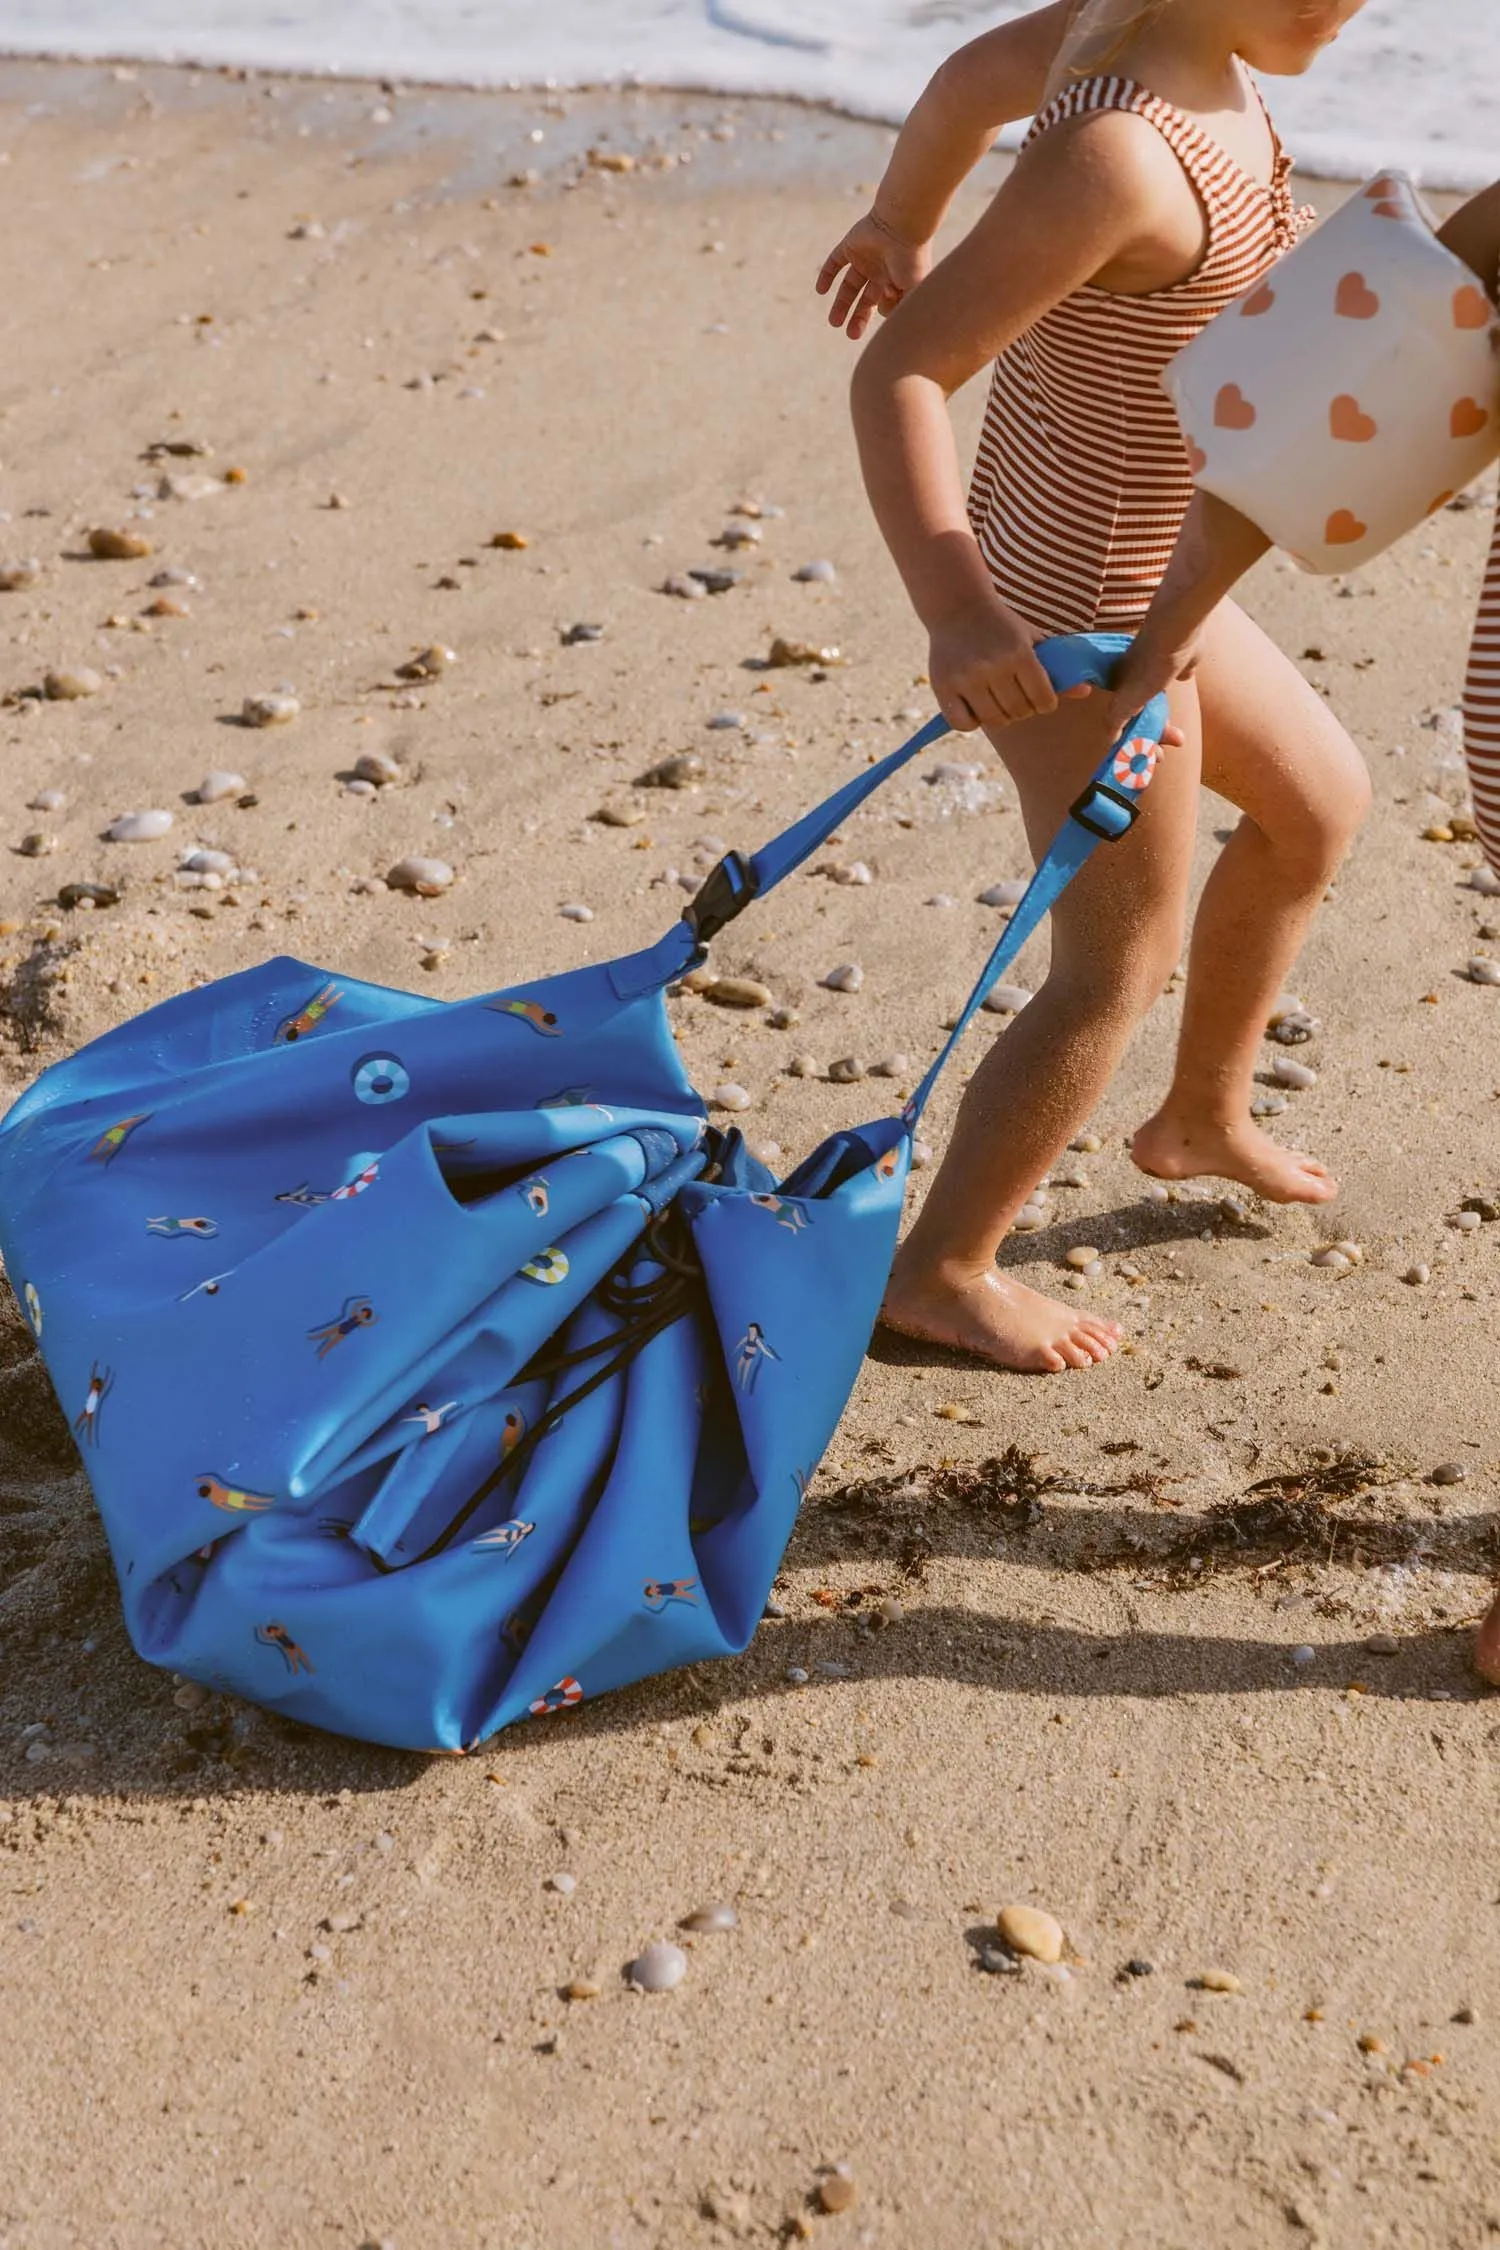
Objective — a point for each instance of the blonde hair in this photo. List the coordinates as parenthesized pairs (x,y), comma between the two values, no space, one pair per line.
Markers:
(1102,30)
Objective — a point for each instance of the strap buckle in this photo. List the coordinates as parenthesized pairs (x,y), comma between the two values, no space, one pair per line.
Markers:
(1106,813)
(725,892)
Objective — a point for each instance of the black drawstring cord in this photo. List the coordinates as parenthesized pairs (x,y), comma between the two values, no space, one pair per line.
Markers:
(644,1309)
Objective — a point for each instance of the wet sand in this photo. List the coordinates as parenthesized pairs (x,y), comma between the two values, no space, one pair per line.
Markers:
(260,1982)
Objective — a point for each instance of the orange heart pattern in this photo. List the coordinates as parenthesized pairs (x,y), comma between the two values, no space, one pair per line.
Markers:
(1355,299)
(1379,189)
(1389,211)
(1349,422)
(1197,458)
(1344,528)
(1468,418)
(1232,410)
(1471,307)
(1440,503)
(1261,302)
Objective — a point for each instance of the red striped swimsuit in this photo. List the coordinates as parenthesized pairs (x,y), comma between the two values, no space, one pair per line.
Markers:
(1482,709)
(1083,477)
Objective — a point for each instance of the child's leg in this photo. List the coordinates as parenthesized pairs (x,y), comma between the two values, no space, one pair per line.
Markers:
(1272,747)
(1116,935)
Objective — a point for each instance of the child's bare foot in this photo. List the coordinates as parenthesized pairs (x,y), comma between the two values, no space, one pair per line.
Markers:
(1172,1148)
(999,1319)
(1487,1646)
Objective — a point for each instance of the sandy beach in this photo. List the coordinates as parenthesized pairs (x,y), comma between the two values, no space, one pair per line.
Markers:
(1177,1651)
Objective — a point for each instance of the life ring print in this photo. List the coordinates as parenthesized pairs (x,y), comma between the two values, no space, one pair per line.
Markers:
(1135,763)
(33,1305)
(381,1078)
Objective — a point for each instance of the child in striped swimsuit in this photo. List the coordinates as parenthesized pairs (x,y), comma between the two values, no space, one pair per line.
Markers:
(1150,193)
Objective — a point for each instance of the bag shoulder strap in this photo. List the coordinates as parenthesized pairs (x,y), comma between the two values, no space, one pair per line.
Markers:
(1104,812)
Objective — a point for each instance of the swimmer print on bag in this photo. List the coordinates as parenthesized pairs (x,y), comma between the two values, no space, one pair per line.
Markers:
(354,1313)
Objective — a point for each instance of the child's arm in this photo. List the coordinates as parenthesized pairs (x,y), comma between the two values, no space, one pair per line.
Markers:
(1215,548)
(1473,234)
(990,83)
(1095,197)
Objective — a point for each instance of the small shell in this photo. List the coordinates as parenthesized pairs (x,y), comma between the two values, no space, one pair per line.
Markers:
(118,546)
(269,710)
(1286,1072)
(1026,1929)
(723,722)
(73,686)
(576,913)
(815,574)
(707,1921)
(619,816)
(1332,1260)
(1482,970)
(427,877)
(804,1066)
(1004,894)
(1417,1277)
(849,978)
(855,875)
(47,800)
(1218,1980)
(208,863)
(378,766)
(659,1968)
(1007,999)
(847,1071)
(730,1096)
(138,827)
(37,844)
(921,1155)
(685,587)
(1486,881)
(890,1066)
(214,787)
(510,542)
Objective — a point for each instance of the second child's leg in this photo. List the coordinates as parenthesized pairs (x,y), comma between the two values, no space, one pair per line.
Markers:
(1116,935)
(1274,749)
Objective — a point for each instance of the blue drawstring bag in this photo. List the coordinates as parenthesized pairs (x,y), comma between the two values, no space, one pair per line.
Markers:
(436,1363)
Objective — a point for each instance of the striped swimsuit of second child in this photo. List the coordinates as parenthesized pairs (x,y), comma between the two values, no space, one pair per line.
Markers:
(1482,705)
(1083,476)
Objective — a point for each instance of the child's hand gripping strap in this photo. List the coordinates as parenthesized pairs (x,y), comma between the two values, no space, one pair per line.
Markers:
(1102,813)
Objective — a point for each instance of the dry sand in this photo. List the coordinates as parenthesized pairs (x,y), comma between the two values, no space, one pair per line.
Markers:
(261,1985)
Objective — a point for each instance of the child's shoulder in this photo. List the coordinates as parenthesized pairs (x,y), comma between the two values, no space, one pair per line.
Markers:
(1108,131)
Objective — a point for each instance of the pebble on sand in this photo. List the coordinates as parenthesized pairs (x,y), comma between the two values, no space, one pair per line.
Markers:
(1029,1219)
(378,766)
(736,992)
(848,978)
(426,877)
(46,800)
(581,1988)
(576,912)
(804,1066)
(730,1096)
(1003,894)
(214,787)
(705,1921)
(1485,881)
(36,844)
(72,686)
(1216,1980)
(1449,1472)
(110,545)
(685,587)
(619,816)
(1482,970)
(679,772)
(1007,999)
(837,2192)
(208,862)
(847,1071)
(15,577)
(1332,1260)
(269,710)
(138,827)
(659,1968)
(1417,1277)
(510,542)
(855,876)
(890,1066)
(1083,1259)
(1026,1929)
(428,663)
(815,574)
(1298,1075)
(785,653)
